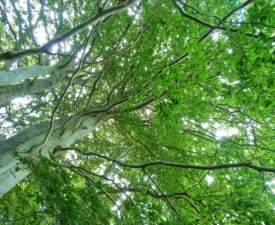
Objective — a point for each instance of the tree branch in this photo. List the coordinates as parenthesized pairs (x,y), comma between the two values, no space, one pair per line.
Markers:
(45,48)
(175,165)
(183,57)
(22,73)
(214,27)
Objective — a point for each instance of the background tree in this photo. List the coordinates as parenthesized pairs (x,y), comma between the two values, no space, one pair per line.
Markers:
(137,112)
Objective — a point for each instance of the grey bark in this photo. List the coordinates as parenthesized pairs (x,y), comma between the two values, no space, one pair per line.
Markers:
(22,73)
(31,87)
(65,132)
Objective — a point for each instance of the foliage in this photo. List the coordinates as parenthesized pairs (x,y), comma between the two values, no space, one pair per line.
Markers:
(182,95)
(51,194)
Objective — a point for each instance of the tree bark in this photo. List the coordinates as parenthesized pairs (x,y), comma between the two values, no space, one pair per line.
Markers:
(31,87)
(28,144)
(22,73)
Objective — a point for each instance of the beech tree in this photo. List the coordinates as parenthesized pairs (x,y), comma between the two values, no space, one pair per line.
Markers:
(137,112)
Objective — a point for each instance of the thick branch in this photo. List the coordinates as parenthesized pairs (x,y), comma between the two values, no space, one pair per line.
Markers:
(45,48)
(30,87)
(22,73)
(175,165)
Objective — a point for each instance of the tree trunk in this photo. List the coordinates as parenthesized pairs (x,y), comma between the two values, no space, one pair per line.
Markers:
(28,144)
